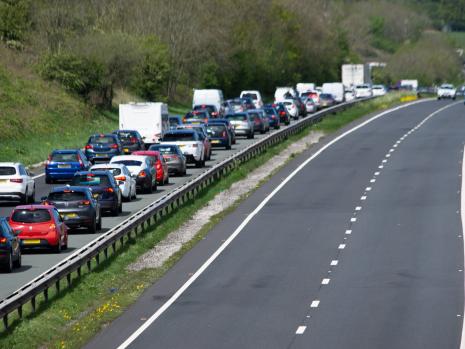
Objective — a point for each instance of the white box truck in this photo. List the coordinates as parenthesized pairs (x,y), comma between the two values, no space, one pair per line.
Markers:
(302,87)
(150,119)
(336,89)
(355,74)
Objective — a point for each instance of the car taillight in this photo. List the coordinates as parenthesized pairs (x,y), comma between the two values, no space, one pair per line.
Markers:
(121,178)
(16,180)
(223,134)
(49,159)
(273,116)
(114,146)
(87,202)
(142,174)
(133,140)
(282,113)
(109,190)
(89,146)
(3,240)
(52,227)
(214,113)
(205,120)
(80,161)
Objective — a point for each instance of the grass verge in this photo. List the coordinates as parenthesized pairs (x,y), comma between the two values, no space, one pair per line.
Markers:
(78,313)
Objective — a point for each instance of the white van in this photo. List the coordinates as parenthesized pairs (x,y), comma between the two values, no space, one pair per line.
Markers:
(302,87)
(150,119)
(336,89)
(256,97)
(209,97)
(283,93)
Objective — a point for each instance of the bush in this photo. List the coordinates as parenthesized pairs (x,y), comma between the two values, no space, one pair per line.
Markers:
(14,21)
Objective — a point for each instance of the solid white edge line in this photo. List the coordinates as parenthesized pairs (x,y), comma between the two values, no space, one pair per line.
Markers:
(215,255)
(462,216)
(39,175)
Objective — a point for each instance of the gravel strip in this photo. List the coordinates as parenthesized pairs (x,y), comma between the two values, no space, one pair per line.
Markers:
(176,239)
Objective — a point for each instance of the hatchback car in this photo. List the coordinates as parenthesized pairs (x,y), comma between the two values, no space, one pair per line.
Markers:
(259,120)
(173,156)
(10,247)
(284,115)
(16,182)
(219,135)
(102,147)
(78,206)
(104,188)
(292,108)
(122,175)
(142,170)
(213,112)
(131,140)
(175,121)
(229,127)
(63,164)
(191,144)
(202,131)
(243,126)
(41,226)
(273,117)
(327,100)
(161,167)
(196,116)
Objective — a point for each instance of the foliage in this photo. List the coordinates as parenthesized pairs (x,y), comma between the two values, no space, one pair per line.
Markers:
(14,20)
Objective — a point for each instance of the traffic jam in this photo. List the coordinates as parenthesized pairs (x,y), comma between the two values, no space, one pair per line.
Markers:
(150,147)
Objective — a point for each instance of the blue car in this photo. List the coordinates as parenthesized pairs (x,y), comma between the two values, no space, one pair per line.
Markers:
(273,117)
(175,121)
(10,247)
(63,164)
(102,147)
(219,135)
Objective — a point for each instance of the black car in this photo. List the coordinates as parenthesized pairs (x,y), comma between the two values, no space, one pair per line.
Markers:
(229,126)
(219,135)
(130,140)
(77,205)
(102,147)
(104,188)
(10,247)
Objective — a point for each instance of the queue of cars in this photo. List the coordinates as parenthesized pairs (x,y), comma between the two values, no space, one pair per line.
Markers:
(113,168)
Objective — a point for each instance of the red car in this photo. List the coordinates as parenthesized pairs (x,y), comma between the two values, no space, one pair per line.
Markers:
(159,163)
(41,226)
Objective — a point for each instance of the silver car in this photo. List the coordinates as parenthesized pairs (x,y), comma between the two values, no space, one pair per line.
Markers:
(174,158)
(122,175)
(243,126)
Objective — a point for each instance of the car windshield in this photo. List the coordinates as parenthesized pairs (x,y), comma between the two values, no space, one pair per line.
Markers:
(216,130)
(115,171)
(197,115)
(64,157)
(174,121)
(164,149)
(101,139)
(91,180)
(31,216)
(326,96)
(179,137)
(129,162)
(7,171)
(362,86)
(240,117)
(126,135)
(209,108)
(67,195)
(254,115)
(250,95)
(270,111)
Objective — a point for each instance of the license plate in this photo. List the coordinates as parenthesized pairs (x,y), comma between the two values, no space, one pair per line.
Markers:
(4,181)
(126,150)
(96,195)
(181,146)
(64,166)
(215,141)
(31,241)
(101,155)
(69,215)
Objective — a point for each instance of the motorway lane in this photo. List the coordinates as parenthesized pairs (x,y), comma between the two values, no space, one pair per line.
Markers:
(347,254)
(36,262)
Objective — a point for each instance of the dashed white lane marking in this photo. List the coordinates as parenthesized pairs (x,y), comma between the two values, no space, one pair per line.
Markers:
(315,304)
(388,155)
(348,232)
(241,227)
(384,161)
(358,208)
(363,198)
(368,188)
(380,166)
(301,330)
(342,246)
(377,173)
(353,219)
(372,180)
(39,175)
(334,263)
(391,150)
(325,281)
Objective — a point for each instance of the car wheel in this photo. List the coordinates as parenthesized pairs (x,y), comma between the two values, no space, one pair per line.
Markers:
(120,206)
(32,198)
(198,164)
(262,131)
(149,187)
(167,180)
(24,198)
(9,263)
(48,180)
(228,147)
(17,263)
(92,228)
(277,127)
(99,223)
(57,248)
(135,194)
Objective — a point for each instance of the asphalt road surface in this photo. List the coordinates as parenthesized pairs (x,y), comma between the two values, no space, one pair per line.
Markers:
(362,248)
(36,262)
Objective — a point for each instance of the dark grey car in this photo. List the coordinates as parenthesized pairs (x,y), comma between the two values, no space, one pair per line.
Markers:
(174,158)
(77,205)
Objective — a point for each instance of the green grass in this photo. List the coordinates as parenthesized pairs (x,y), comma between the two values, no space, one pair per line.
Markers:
(37,117)
(78,313)
(179,109)
(458,39)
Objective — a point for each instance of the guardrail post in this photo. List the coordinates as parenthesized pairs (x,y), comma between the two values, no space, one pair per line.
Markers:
(97,258)
(46,294)
(57,285)
(5,321)
(20,311)
(113,247)
(79,271)
(89,265)
(105,252)
(33,304)
(68,279)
